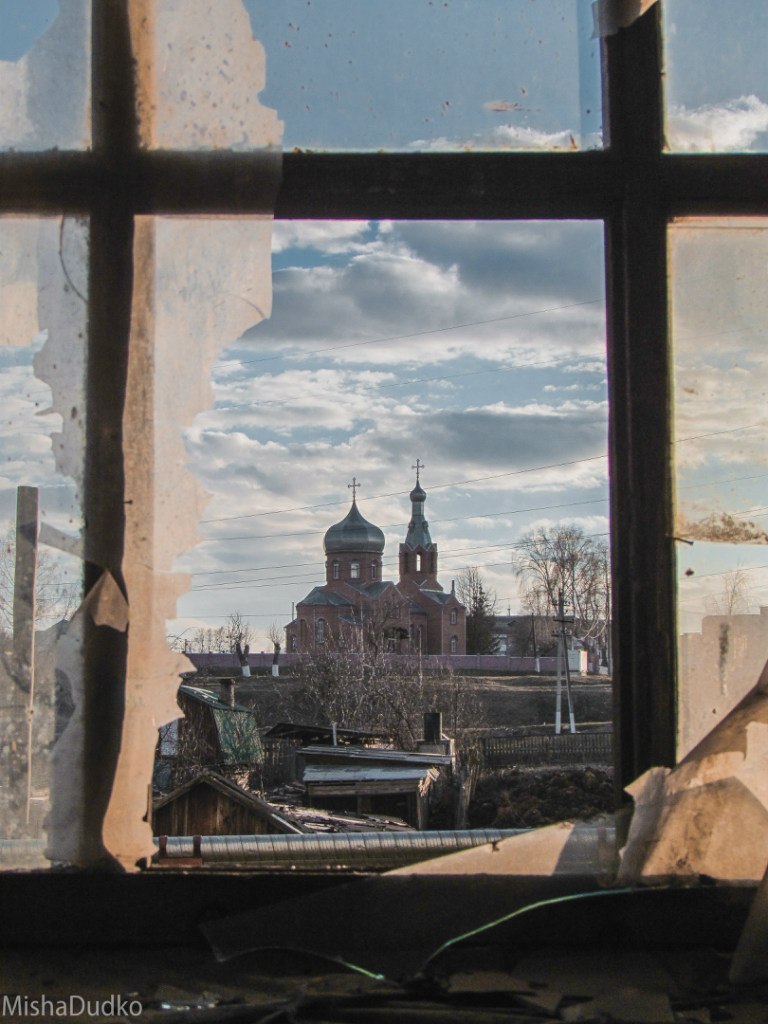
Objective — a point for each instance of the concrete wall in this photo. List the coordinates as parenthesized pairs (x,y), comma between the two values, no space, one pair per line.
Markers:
(718,666)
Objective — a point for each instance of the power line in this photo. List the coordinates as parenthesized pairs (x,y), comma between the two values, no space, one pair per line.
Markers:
(461,553)
(419,334)
(453,519)
(397,494)
(399,526)
(442,486)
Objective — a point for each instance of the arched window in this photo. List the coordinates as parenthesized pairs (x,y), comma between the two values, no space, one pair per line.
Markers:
(374,570)
(320,631)
(419,561)
(354,570)
(418,638)
(454,644)
(454,616)
(335,569)
(293,643)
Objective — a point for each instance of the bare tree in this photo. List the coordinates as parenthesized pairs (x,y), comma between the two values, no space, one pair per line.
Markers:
(566,559)
(238,632)
(221,640)
(480,603)
(733,598)
(276,634)
(55,596)
(361,685)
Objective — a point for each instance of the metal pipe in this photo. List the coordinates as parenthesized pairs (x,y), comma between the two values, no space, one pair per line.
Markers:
(348,849)
(374,849)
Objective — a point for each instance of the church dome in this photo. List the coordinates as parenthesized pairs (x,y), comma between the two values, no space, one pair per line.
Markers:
(354,534)
(418,493)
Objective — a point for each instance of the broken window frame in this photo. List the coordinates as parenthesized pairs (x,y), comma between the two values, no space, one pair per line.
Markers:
(632,185)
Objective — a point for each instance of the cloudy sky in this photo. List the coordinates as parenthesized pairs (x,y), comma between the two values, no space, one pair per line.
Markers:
(477,348)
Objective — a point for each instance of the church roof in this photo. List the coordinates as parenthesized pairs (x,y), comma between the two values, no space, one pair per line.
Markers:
(418,493)
(418,528)
(354,534)
(321,596)
(371,589)
(439,596)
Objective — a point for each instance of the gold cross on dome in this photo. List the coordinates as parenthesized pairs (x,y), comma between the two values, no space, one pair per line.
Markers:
(354,485)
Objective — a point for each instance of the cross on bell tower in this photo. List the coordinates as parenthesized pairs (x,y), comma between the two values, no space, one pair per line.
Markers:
(419,465)
(353,487)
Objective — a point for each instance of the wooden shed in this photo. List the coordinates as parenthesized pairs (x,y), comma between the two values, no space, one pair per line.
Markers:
(371,780)
(369,789)
(210,805)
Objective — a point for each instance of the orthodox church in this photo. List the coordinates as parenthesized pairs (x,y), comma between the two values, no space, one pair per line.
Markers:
(414,615)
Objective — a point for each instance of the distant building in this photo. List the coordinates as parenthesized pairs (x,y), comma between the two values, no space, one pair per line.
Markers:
(414,615)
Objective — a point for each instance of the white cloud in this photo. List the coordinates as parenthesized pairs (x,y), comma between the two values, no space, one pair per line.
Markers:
(326,236)
(511,137)
(732,127)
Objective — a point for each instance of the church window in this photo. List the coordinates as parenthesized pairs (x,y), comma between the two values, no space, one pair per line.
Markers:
(454,644)
(335,569)
(419,563)
(374,570)
(320,631)
(454,616)
(354,570)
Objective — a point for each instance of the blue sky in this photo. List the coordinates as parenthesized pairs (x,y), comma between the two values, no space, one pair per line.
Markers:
(477,348)
(431,74)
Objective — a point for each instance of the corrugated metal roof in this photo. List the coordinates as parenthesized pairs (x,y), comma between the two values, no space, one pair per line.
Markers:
(380,754)
(342,773)
(210,698)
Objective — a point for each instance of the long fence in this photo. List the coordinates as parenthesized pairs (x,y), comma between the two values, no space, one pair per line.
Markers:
(456,662)
(565,749)
(495,752)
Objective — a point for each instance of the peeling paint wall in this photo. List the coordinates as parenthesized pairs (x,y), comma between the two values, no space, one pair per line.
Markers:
(719,666)
(203,281)
(721,464)
(43,264)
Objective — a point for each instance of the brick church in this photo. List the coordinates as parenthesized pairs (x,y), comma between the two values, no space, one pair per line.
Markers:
(411,616)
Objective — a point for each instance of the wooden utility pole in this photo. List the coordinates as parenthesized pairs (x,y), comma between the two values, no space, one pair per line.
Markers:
(24,580)
(562,661)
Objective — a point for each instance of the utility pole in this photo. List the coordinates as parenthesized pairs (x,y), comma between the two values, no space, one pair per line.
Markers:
(25,576)
(562,661)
